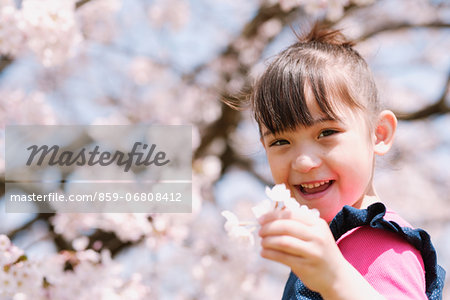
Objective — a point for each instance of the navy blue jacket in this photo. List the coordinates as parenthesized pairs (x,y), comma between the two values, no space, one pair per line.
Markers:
(349,218)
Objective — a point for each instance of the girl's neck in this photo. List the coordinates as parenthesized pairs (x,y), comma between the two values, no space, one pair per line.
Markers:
(370,197)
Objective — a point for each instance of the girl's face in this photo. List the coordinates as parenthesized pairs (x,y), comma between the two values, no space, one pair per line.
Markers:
(326,165)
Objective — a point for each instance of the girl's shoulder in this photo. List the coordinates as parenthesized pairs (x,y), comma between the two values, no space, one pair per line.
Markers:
(363,242)
(374,234)
(390,263)
(393,216)
(388,251)
(368,241)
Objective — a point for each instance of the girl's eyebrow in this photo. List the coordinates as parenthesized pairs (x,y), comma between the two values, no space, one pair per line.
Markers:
(324,119)
(267,133)
(314,122)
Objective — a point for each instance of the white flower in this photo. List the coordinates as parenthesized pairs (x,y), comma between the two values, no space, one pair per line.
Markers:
(10,255)
(281,194)
(4,242)
(291,204)
(20,296)
(237,230)
(281,199)
(278,193)
(263,208)
(232,220)
(11,36)
(242,234)
(315,212)
(80,243)
(88,255)
(51,29)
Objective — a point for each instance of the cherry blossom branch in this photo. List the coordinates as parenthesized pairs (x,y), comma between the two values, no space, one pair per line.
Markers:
(5,61)
(27,225)
(248,166)
(107,240)
(110,241)
(81,3)
(391,27)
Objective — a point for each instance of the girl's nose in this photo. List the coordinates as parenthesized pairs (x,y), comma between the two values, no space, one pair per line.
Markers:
(305,162)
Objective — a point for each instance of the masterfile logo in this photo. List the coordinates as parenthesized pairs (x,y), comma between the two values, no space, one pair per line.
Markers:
(98,168)
(94,157)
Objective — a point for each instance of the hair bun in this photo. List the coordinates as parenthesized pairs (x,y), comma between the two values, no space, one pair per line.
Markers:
(325,35)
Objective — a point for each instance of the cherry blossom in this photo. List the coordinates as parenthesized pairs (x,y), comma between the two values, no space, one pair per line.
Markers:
(237,229)
(280,198)
(4,242)
(11,25)
(21,278)
(52,32)
(279,193)
(97,20)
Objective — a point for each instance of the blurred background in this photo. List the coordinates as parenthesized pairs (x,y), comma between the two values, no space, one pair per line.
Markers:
(119,62)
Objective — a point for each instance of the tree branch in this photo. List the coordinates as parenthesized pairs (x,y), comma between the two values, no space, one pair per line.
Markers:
(248,166)
(81,3)
(12,234)
(5,61)
(440,107)
(390,27)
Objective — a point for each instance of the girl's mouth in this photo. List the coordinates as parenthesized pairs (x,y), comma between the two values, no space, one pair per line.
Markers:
(314,188)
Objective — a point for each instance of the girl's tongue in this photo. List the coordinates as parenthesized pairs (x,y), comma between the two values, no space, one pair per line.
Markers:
(313,190)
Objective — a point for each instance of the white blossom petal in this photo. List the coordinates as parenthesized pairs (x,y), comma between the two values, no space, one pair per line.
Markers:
(263,208)
(315,212)
(291,204)
(242,234)
(278,193)
(4,242)
(232,220)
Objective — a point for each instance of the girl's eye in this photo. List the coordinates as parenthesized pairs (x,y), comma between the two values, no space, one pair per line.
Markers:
(327,132)
(279,143)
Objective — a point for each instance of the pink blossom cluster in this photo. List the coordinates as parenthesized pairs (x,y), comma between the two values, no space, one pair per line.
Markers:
(53,30)
(17,274)
(84,274)
(46,27)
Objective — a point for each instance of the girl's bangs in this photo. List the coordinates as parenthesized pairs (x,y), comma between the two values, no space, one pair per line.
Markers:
(279,98)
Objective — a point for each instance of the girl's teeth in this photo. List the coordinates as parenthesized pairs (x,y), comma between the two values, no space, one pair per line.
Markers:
(313,185)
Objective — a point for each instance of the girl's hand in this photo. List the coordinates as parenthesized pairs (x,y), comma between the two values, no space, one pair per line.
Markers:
(305,243)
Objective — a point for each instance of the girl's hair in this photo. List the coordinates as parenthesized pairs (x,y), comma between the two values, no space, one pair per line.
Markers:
(322,64)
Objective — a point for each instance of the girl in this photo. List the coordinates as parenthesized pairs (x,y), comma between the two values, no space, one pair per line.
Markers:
(321,126)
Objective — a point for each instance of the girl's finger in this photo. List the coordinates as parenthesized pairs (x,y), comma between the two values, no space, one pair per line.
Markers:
(281,257)
(289,227)
(286,244)
(302,215)
(270,216)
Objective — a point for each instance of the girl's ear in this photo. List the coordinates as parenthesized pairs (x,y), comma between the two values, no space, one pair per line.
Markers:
(384,132)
